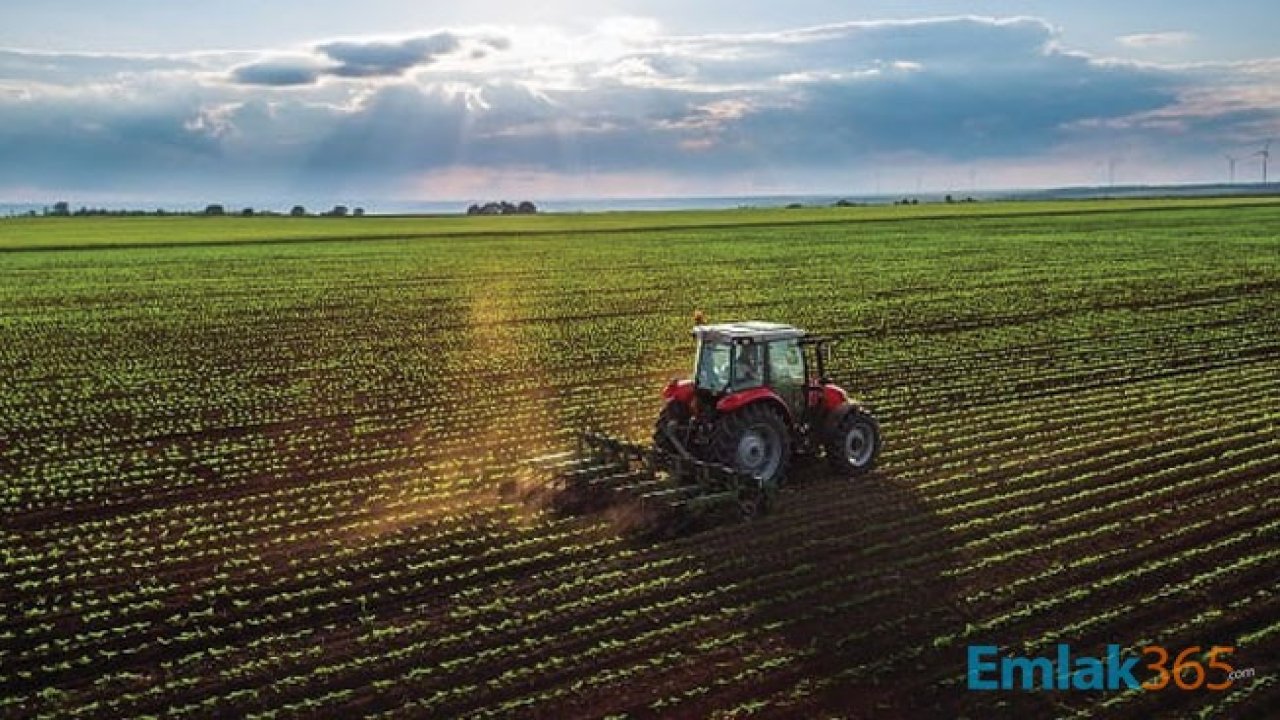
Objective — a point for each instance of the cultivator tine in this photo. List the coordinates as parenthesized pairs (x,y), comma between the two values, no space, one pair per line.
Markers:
(553,459)
(673,491)
(670,495)
(709,501)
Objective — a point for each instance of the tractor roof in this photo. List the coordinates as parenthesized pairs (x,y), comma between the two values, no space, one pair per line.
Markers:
(752,331)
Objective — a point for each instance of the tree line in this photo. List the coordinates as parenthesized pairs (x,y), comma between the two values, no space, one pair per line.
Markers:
(63,209)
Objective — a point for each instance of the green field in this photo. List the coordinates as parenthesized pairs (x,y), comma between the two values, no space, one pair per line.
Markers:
(251,466)
(38,233)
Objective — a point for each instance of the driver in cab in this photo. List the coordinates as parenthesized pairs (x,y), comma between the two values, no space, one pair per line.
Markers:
(747,366)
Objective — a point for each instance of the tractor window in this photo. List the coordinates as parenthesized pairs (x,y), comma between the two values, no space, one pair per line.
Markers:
(713,367)
(786,363)
(786,373)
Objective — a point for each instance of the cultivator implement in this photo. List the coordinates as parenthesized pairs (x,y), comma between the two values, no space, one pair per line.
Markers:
(670,491)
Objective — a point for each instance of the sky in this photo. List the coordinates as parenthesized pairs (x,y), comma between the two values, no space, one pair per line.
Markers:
(153,100)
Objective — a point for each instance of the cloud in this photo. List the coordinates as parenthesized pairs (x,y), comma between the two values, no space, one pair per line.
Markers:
(382,59)
(360,59)
(1156,40)
(277,73)
(93,141)
(622,101)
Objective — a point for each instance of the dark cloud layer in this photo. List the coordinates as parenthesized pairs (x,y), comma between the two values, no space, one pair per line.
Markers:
(955,90)
(354,59)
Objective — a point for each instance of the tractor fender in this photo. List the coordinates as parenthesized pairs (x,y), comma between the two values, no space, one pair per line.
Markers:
(836,415)
(833,396)
(679,391)
(738,400)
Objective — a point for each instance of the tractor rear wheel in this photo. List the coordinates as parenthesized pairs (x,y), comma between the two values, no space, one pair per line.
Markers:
(755,441)
(854,444)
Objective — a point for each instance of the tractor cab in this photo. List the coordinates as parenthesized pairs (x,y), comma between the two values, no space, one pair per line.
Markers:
(739,357)
(760,392)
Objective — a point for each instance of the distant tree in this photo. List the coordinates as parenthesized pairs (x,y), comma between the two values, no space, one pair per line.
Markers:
(338,211)
(950,199)
(359,212)
(794,206)
(61,209)
(298,211)
(247,212)
(215,210)
(503,207)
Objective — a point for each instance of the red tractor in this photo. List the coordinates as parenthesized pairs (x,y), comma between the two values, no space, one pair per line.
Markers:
(759,395)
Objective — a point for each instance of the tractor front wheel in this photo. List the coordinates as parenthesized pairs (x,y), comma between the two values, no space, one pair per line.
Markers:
(854,444)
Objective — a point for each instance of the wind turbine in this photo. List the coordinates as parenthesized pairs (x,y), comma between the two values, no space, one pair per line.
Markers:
(1265,154)
(1231,163)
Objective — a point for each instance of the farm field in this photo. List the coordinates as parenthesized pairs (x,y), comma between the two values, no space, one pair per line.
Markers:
(254,467)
